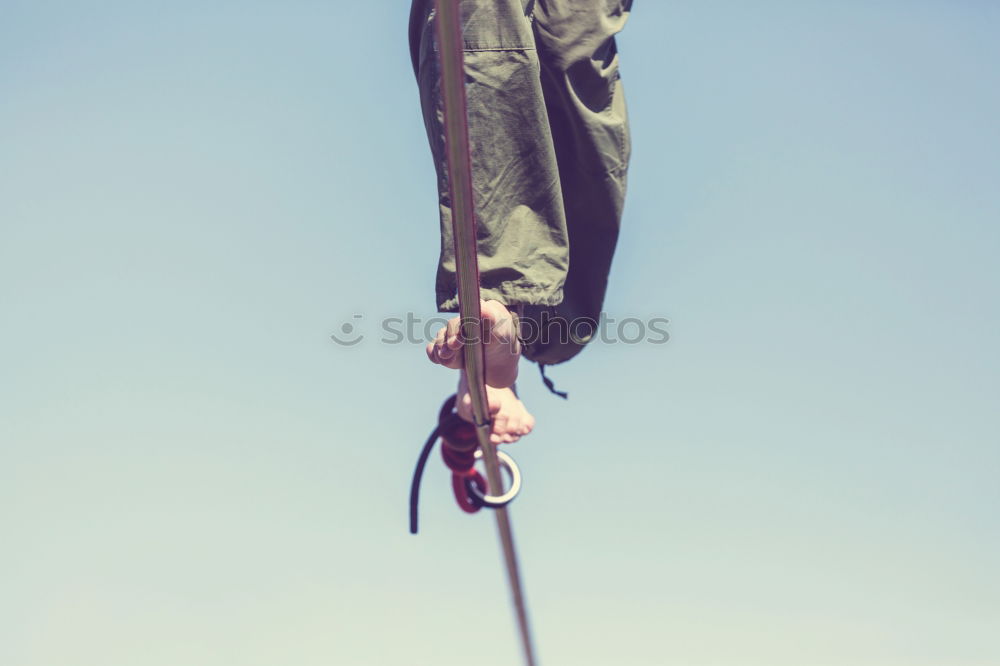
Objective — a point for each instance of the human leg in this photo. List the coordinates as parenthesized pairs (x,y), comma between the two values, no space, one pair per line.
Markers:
(585,107)
(521,228)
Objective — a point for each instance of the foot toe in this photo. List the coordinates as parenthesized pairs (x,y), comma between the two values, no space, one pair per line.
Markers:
(500,426)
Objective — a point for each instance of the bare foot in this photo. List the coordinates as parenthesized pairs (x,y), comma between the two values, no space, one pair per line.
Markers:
(511,419)
(502,350)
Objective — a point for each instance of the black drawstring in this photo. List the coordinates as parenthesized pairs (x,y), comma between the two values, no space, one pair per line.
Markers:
(550,385)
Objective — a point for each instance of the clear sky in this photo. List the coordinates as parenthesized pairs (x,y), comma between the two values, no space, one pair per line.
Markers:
(194,196)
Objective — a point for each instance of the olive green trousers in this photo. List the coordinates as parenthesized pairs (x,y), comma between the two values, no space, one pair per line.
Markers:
(550,149)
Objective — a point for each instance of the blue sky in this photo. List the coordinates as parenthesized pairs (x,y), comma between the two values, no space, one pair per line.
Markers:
(194,197)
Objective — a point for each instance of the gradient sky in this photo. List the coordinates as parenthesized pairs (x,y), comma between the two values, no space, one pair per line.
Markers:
(194,196)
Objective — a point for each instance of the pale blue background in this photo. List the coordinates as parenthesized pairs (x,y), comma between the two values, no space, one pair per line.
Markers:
(194,195)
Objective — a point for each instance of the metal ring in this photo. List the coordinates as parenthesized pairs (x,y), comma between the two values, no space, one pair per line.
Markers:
(497,501)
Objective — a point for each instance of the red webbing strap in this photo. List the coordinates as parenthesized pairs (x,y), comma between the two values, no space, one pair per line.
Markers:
(458,450)
(456,130)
